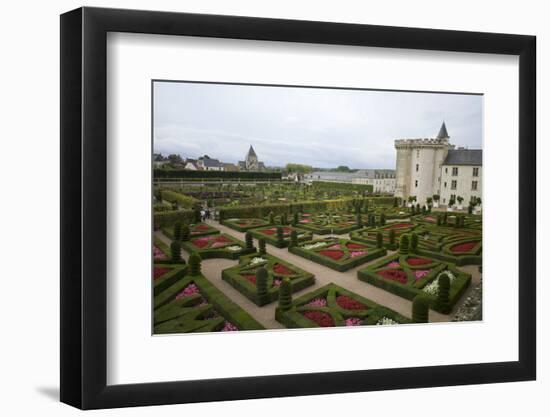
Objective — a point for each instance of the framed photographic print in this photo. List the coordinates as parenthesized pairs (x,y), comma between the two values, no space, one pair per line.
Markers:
(258,208)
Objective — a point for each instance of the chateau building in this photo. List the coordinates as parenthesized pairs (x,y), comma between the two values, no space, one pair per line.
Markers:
(382,180)
(425,167)
(251,162)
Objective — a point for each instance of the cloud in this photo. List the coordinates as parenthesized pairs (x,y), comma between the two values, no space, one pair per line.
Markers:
(319,127)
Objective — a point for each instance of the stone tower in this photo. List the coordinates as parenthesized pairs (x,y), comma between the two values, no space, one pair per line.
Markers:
(251,160)
(418,165)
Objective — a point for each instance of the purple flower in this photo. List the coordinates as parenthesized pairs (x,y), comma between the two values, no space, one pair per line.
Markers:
(191,289)
(393,264)
(357,253)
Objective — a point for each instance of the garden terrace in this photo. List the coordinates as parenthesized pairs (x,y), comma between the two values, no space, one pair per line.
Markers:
(195,230)
(216,246)
(338,254)
(242,225)
(243,277)
(368,235)
(332,306)
(184,201)
(408,275)
(193,304)
(270,235)
(326,223)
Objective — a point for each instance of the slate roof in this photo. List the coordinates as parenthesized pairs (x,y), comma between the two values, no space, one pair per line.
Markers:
(464,157)
(211,163)
(443,132)
(251,153)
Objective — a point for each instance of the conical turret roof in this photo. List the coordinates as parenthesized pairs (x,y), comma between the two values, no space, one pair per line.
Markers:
(251,153)
(443,132)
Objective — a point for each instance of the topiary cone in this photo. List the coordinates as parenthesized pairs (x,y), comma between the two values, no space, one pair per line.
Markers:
(177,231)
(293,238)
(185,233)
(414,242)
(261,281)
(280,235)
(404,244)
(261,245)
(443,293)
(175,251)
(379,240)
(420,309)
(285,295)
(249,241)
(195,264)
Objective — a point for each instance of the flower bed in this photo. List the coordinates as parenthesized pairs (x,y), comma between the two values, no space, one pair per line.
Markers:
(338,254)
(333,305)
(195,230)
(159,271)
(368,234)
(323,224)
(396,275)
(193,304)
(463,247)
(269,234)
(216,246)
(243,277)
(243,225)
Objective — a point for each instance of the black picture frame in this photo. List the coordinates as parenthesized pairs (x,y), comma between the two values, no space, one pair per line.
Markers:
(84,207)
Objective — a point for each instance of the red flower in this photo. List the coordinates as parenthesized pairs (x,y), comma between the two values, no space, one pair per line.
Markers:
(399,226)
(251,278)
(332,254)
(320,317)
(349,303)
(282,270)
(222,238)
(418,261)
(201,227)
(463,247)
(394,275)
(355,246)
(201,242)
(158,272)
(268,231)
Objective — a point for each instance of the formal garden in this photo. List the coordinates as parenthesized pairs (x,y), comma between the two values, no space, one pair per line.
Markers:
(291,255)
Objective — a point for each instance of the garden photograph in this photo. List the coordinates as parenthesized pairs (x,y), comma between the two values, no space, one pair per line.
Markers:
(279,207)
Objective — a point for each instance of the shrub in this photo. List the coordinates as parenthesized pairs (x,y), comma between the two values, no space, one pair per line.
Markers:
(424,209)
(261,281)
(293,238)
(359,220)
(175,251)
(404,244)
(284,219)
(395,202)
(295,219)
(382,219)
(420,309)
(177,231)
(185,233)
(439,219)
(379,240)
(285,295)
(271,217)
(197,215)
(194,264)
(470,209)
(179,199)
(414,242)
(442,302)
(249,240)
(392,237)
(261,245)
(280,236)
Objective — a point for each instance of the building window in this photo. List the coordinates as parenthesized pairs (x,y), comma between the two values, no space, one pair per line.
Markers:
(455,171)
(446,170)
(418,153)
(416,167)
(444,201)
(445,184)
(453,197)
(474,185)
(416,183)
(476,172)
(453,185)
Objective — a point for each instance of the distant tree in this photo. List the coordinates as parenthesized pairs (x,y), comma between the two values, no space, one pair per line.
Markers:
(175,158)
(298,168)
(342,168)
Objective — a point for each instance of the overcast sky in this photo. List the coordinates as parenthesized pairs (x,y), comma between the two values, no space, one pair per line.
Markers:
(318,127)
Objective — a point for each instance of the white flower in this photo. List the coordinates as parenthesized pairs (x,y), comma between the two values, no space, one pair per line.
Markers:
(433,287)
(301,235)
(384,321)
(314,245)
(257,260)
(234,248)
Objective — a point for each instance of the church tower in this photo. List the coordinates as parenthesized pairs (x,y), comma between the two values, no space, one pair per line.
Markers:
(251,160)
(418,165)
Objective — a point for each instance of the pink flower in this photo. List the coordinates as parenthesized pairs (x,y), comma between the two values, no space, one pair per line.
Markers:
(357,253)
(229,327)
(421,273)
(393,264)
(277,282)
(158,254)
(353,321)
(317,302)
(219,244)
(337,246)
(191,289)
